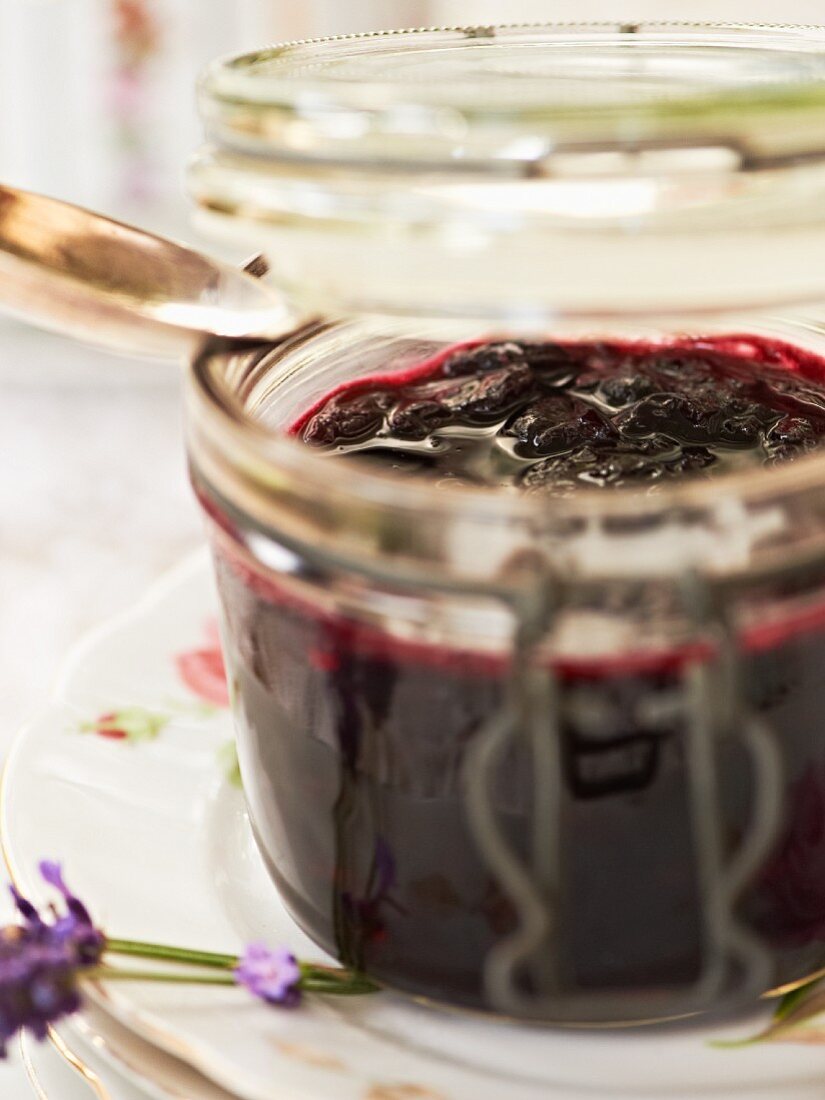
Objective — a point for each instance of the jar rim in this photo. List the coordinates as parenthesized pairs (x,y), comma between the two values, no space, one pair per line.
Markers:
(484,94)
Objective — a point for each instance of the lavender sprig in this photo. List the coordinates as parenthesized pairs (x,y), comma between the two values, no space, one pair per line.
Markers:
(45,957)
(794,1019)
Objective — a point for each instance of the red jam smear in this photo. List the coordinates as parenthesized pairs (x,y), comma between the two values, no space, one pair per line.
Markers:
(555,417)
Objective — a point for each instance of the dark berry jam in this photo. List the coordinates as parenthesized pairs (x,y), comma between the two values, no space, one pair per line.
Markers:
(354,734)
(551,418)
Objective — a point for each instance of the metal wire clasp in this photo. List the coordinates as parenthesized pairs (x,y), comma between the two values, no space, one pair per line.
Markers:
(523,972)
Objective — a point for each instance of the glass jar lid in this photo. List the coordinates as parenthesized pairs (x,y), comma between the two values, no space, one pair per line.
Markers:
(526,174)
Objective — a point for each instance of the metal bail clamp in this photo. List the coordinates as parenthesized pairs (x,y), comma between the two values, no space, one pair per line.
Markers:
(521,971)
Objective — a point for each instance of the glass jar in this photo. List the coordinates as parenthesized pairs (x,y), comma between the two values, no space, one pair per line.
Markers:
(561,761)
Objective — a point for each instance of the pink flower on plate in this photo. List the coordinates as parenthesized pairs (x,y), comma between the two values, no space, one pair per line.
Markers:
(203,670)
(793,881)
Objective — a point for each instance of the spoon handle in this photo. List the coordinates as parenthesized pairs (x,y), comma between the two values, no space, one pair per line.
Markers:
(113,285)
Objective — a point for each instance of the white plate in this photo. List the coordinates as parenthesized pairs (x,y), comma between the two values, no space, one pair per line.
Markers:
(157,841)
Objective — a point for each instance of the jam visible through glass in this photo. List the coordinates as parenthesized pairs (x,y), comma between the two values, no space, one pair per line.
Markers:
(555,417)
(354,737)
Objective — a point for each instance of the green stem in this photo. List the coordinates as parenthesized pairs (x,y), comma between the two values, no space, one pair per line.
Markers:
(209,959)
(315,977)
(339,989)
(790,1001)
(113,973)
(318,970)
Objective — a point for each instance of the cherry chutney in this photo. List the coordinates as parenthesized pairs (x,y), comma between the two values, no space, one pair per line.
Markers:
(352,742)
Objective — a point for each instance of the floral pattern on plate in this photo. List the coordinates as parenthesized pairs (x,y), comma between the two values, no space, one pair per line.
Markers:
(202,670)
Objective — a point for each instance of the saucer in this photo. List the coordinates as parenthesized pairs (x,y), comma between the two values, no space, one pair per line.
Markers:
(127,779)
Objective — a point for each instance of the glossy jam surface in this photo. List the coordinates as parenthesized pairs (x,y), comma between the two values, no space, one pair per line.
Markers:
(551,418)
(354,740)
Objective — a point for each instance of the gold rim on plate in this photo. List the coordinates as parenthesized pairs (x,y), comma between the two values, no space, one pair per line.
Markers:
(70,1057)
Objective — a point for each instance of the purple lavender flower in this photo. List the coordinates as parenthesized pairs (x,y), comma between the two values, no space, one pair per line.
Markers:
(46,954)
(40,960)
(76,928)
(271,974)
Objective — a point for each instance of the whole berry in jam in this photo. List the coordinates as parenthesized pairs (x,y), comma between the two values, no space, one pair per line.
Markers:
(479,360)
(554,425)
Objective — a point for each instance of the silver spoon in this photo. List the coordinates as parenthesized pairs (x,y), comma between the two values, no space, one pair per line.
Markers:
(110,284)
